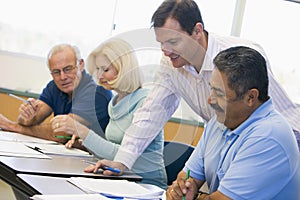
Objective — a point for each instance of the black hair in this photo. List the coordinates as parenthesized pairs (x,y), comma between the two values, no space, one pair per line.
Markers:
(186,12)
(245,69)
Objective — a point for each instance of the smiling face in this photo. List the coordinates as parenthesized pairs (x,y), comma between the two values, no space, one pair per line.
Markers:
(230,110)
(178,45)
(106,72)
(68,77)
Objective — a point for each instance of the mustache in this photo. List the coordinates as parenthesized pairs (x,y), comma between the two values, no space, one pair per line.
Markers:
(216,107)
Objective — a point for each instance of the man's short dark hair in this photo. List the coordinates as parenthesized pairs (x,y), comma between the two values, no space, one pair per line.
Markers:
(186,12)
(245,69)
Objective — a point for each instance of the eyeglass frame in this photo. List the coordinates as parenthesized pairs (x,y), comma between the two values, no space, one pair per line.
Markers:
(67,70)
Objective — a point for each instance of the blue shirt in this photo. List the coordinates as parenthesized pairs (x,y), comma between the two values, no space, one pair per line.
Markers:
(150,164)
(257,160)
(89,101)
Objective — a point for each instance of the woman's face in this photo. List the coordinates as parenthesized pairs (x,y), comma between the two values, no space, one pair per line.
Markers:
(105,71)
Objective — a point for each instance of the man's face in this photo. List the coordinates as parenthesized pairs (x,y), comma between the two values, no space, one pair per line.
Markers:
(177,44)
(65,73)
(230,110)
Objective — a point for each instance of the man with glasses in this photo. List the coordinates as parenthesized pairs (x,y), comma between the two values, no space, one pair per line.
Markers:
(72,91)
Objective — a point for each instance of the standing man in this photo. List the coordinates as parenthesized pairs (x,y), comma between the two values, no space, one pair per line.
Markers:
(72,91)
(179,29)
(248,149)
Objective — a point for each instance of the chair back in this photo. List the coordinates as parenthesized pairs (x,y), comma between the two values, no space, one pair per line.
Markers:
(175,156)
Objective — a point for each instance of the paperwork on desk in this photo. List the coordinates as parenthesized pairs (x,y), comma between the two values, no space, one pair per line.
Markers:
(58,149)
(18,149)
(117,188)
(17,137)
(70,197)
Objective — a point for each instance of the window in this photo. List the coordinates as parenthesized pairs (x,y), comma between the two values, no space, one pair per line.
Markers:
(32,27)
(274,24)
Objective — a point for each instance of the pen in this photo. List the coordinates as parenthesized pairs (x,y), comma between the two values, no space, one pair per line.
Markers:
(19,98)
(65,137)
(186,178)
(36,148)
(103,167)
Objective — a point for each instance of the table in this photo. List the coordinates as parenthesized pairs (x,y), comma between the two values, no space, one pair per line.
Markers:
(58,166)
(55,166)
(49,184)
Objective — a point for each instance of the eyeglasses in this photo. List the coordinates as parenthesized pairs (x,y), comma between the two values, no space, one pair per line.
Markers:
(67,70)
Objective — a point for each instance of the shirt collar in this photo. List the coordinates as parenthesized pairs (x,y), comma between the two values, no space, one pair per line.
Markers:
(261,112)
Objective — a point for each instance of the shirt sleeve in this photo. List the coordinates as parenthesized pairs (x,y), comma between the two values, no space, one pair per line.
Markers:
(195,163)
(150,119)
(258,168)
(100,147)
(46,95)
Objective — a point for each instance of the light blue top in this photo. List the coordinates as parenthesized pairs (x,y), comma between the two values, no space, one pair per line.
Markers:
(150,165)
(257,160)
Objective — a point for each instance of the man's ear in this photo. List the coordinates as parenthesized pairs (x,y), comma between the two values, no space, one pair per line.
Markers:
(198,30)
(252,96)
(81,65)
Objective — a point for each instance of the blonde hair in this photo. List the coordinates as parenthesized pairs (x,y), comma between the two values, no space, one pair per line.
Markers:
(122,57)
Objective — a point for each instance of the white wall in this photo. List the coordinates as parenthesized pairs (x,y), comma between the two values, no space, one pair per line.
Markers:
(23,72)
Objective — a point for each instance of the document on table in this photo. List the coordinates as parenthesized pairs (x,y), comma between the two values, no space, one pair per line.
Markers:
(58,149)
(18,149)
(117,188)
(70,197)
(17,137)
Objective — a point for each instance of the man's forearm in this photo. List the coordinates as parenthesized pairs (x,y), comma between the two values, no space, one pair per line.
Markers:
(43,131)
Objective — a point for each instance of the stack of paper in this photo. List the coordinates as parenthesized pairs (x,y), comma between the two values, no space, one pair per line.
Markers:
(70,197)
(117,188)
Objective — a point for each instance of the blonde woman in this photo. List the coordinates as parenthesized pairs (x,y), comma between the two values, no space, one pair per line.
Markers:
(115,66)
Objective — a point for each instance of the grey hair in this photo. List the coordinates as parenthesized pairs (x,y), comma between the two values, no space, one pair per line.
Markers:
(61,47)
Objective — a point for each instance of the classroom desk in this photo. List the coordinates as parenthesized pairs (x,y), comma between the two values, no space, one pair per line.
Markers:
(49,184)
(58,166)
(55,166)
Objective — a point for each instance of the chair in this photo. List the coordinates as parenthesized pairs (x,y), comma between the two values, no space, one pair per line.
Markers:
(175,156)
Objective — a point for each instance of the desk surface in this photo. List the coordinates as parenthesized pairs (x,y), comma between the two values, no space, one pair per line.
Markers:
(50,185)
(56,166)
(60,166)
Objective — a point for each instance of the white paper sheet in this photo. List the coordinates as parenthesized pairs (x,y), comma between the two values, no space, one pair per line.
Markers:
(17,137)
(70,197)
(58,149)
(18,149)
(117,188)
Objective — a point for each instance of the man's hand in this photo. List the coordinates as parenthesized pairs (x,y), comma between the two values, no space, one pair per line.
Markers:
(181,187)
(28,111)
(7,124)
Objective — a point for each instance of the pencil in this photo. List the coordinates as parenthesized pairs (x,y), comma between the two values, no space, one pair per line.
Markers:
(19,98)
(186,178)
(103,167)
(65,137)
(25,101)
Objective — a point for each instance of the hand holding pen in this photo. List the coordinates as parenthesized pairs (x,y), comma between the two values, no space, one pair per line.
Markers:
(105,165)
(98,165)
(28,109)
